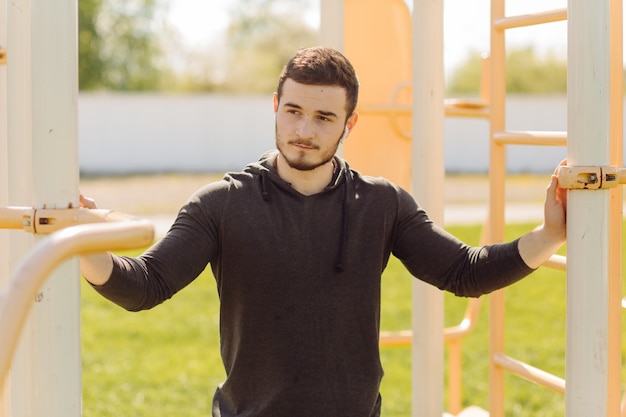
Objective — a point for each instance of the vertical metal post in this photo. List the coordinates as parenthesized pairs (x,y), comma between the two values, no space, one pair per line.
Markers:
(55,174)
(331,32)
(331,23)
(19,150)
(588,220)
(497,178)
(4,158)
(4,171)
(428,162)
(43,171)
(616,218)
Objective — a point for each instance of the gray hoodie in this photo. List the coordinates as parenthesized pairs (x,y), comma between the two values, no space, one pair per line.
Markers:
(299,283)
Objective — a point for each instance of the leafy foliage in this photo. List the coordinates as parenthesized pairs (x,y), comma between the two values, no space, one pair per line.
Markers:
(125,46)
(119,48)
(262,36)
(526,72)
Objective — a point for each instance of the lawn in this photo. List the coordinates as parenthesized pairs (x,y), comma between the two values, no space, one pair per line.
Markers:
(165,362)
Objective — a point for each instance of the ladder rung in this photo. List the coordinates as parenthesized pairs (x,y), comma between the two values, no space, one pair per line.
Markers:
(530,373)
(557,262)
(531,138)
(466,108)
(531,19)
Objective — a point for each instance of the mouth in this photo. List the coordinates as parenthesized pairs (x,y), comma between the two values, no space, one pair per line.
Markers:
(303,145)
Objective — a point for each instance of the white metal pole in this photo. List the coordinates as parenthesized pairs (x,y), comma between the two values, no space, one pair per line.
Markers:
(17,401)
(55,185)
(331,23)
(4,157)
(4,173)
(588,211)
(331,34)
(427,186)
(42,171)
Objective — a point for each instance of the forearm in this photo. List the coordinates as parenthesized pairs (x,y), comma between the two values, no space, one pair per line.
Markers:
(538,246)
(96,268)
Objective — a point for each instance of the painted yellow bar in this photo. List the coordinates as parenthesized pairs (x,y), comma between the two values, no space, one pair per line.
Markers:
(124,232)
(466,108)
(557,262)
(531,19)
(46,221)
(530,373)
(542,138)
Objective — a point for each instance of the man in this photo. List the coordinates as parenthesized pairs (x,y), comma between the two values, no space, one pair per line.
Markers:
(297,243)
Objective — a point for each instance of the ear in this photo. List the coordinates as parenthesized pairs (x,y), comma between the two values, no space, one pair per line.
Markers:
(275,102)
(351,122)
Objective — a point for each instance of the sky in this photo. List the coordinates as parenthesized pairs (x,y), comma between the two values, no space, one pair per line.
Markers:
(466,25)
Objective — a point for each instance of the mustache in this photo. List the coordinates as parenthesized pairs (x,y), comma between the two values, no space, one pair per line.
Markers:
(301,142)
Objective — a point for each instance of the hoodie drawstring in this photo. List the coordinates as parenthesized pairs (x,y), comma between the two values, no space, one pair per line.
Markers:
(264,194)
(341,257)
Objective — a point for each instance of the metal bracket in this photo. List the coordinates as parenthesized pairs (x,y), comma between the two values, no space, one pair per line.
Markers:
(3,56)
(590,177)
(46,221)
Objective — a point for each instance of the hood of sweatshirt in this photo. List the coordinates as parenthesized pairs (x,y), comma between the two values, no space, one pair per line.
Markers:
(265,170)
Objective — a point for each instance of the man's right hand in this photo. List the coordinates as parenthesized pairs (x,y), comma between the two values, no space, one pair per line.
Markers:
(86,202)
(95,268)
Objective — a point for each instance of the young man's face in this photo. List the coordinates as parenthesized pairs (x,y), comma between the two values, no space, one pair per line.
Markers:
(310,123)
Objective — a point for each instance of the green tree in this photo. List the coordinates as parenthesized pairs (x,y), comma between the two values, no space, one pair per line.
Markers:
(525,73)
(466,78)
(262,36)
(119,45)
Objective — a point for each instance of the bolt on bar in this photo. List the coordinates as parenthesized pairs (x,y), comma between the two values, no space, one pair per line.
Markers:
(590,177)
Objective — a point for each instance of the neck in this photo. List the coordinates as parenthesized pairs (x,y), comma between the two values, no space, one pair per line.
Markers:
(305,182)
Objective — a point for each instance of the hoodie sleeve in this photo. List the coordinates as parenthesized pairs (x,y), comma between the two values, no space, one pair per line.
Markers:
(174,261)
(438,258)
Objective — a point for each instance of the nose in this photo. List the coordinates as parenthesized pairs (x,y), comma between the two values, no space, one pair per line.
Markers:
(305,128)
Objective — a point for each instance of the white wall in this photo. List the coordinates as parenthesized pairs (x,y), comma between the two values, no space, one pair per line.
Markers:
(142,133)
(129,133)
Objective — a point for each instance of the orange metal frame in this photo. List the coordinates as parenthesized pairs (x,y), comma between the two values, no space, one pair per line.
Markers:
(492,107)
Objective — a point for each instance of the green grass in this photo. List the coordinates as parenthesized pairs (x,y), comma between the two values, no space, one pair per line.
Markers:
(165,362)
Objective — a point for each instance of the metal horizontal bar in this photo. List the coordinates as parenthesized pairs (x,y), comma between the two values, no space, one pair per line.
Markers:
(45,221)
(397,338)
(557,262)
(466,108)
(531,138)
(512,22)
(530,373)
(15,217)
(453,108)
(31,272)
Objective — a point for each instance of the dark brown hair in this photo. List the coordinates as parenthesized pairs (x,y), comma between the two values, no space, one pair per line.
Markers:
(322,66)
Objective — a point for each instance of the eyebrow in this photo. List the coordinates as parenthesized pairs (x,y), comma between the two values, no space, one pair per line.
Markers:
(322,112)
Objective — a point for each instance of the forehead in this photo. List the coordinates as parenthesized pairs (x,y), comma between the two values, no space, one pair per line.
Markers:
(314,98)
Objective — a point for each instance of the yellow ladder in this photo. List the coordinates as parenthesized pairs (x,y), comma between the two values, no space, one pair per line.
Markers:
(499,139)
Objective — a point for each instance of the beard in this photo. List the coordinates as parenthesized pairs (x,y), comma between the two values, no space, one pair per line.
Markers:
(299,159)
